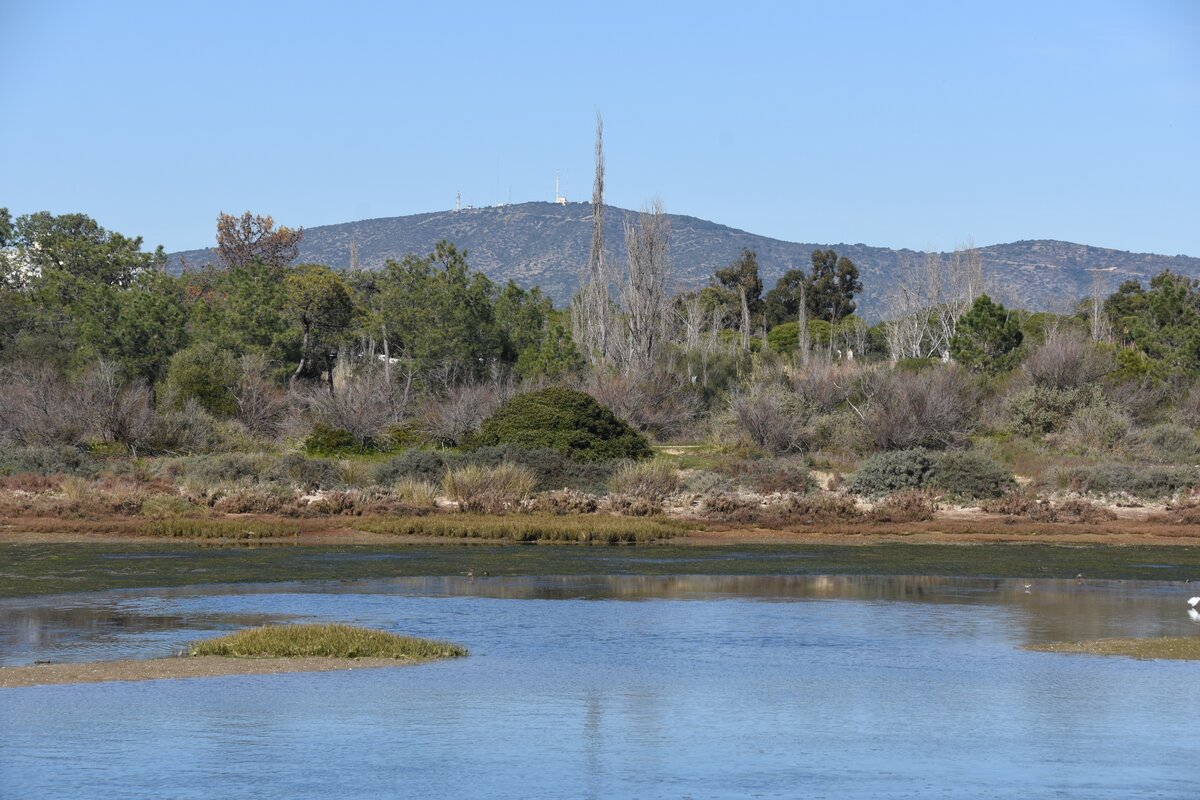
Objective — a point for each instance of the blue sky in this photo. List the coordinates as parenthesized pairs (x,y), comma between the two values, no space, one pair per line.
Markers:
(909,124)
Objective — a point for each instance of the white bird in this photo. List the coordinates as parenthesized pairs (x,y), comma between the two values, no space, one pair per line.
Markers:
(1194,601)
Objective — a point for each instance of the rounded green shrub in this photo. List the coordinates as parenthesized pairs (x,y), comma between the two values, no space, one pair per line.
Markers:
(884,473)
(566,420)
(204,372)
(971,475)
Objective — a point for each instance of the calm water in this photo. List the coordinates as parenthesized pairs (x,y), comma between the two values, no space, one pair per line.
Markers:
(622,687)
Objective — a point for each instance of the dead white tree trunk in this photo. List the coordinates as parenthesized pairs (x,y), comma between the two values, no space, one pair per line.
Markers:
(644,295)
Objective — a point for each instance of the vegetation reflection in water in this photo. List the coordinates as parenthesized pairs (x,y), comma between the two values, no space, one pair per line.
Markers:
(30,569)
(128,623)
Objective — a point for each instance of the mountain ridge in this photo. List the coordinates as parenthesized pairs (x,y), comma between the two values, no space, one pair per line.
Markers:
(546,244)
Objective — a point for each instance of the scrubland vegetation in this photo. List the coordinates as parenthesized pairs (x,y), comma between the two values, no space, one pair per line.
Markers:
(255,387)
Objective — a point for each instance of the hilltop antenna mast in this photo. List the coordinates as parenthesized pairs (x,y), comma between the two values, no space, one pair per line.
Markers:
(458,201)
(558,198)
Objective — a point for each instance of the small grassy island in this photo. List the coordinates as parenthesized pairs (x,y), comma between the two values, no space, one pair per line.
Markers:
(1180,648)
(323,641)
(269,650)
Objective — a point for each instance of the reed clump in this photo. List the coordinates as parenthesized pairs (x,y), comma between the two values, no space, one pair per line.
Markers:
(227,529)
(529,528)
(323,641)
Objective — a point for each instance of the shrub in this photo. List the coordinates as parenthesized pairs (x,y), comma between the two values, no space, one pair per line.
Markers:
(651,480)
(454,416)
(1036,410)
(363,405)
(884,473)
(934,409)
(491,490)
(1168,443)
(1144,482)
(568,421)
(972,475)
(1098,428)
(661,402)
(45,461)
(1066,360)
(704,482)
(552,469)
(40,407)
(1039,509)
(566,501)
(767,475)
(309,474)
(771,417)
(327,441)
(261,499)
(816,509)
(223,468)
(1187,410)
(907,505)
(203,373)
(415,464)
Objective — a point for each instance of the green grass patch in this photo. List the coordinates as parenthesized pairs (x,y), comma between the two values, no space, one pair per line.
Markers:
(1181,648)
(226,529)
(584,529)
(324,641)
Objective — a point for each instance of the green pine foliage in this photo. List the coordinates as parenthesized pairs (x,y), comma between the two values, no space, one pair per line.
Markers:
(566,420)
(987,337)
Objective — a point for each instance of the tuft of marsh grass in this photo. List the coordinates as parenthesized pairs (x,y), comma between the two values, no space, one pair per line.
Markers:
(232,529)
(489,489)
(646,480)
(416,492)
(324,641)
(591,529)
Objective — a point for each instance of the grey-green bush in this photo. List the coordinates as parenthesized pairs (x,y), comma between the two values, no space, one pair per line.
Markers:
(971,475)
(884,473)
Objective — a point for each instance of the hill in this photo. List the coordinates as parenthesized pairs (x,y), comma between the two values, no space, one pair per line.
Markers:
(546,244)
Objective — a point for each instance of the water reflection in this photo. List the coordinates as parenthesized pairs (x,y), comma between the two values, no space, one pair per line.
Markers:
(148,623)
(623,687)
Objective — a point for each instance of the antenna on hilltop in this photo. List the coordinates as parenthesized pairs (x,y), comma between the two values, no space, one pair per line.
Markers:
(458,201)
(558,198)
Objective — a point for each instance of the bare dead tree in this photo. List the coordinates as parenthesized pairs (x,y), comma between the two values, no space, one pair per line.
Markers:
(117,410)
(644,294)
(252,237)
(1101,329)
(261,404)
(39,407)
(927,301)
(592,308)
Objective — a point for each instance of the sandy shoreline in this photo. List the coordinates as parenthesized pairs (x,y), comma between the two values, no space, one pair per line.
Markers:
(153,669)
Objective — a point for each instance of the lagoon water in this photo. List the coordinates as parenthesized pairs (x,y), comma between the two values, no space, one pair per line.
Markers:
(621,687)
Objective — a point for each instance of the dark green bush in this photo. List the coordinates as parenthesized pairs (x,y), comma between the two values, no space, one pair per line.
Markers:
(552,469)
(971,475)
(45,461)
(327,441)
(566,420)
(884,473)
(421,465)
(203,372)
(311,474)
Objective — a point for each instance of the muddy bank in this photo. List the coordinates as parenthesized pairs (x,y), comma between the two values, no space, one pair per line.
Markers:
(155,669)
